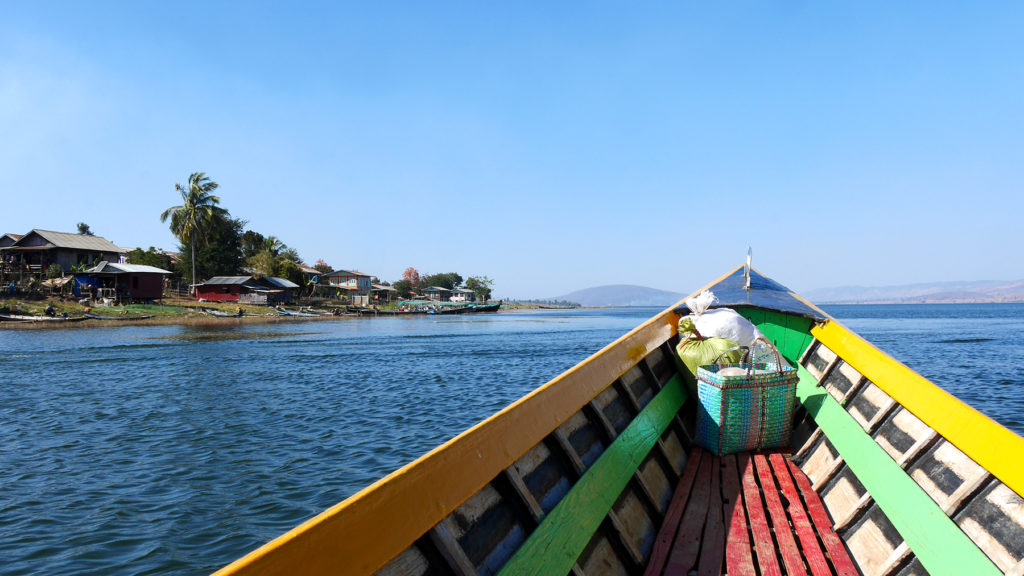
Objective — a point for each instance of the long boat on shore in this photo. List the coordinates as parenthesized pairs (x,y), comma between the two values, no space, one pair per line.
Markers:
(466,309)
(119,318)
(597,472)
(27,318)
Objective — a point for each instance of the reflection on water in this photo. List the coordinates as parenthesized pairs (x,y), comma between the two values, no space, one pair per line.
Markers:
(209,334)
(176,449)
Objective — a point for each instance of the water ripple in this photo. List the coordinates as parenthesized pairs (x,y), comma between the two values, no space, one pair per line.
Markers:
(170,450)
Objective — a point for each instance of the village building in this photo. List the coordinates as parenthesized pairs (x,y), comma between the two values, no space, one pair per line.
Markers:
(356,283)
(462,295)
(40,249)
(246,290)
(9,239)
(309,273)
(381,294)
(125,282)
(437,293)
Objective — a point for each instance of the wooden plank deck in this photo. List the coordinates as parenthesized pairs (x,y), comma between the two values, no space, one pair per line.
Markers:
(733,511)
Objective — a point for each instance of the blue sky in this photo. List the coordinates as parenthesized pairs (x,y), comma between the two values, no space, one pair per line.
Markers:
(549,146)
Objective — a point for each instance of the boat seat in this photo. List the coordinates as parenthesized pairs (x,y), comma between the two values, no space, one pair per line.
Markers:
(731,512)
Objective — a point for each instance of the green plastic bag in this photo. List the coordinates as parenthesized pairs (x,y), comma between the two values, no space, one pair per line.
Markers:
(695,353)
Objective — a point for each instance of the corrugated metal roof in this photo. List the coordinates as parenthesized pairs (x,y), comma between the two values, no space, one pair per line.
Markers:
(347,273)
(281,282)
(77,241)
(224,280)
(112,268)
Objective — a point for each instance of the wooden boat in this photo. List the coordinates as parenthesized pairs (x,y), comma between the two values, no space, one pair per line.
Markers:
(284,312)
(220,314)
(121,318)
(596,472)
(466,309)
(27,318)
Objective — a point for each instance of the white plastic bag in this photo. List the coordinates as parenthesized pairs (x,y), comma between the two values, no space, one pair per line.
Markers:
(721,322)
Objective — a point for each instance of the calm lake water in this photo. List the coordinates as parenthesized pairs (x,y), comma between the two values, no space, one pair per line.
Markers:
(174,450)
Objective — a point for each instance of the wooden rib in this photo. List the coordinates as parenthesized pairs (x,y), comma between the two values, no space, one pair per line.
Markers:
(739,560)
(978,436)
(669,527)
(763,544)
(801,524)
(862,504)
(565,532)
(442,536)
(808,351)
(918,448)
(687,543)
(523,493)
(566,449)
(835,548)
(807,444)
(649,372)
(713,541)
(780,523)
(937,541)
(660,451)
(636,557)
(894,560)
(968,490)
(833,468)
(828,370)
(854,388)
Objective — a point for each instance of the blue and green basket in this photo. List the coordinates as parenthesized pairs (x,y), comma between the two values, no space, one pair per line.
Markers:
(751,411)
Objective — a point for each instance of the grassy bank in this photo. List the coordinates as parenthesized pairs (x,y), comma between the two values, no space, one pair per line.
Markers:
(168,311)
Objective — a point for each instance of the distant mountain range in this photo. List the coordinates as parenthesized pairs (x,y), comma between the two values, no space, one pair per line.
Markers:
(621,295)
(928,293)
(924,293)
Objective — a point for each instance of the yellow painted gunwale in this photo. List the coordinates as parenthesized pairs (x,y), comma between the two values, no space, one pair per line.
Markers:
(361,534)
(988,443)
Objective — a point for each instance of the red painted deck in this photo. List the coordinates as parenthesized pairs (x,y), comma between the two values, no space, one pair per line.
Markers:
(733,512)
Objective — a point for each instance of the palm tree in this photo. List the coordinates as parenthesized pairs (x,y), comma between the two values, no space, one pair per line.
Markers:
(198,207)
(273,245)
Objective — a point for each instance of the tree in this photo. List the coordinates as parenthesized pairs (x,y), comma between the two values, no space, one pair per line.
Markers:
(403,287)
(289,269)
(191,219)
(290,254)
(449,280)
(412,276)
(273,245)
(263,264)
(151,257)
(481,286)
(252,243)
(83,229)
(221,251)
(323,267)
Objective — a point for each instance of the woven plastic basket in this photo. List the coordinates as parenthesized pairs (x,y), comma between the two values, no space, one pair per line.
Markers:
(750,411)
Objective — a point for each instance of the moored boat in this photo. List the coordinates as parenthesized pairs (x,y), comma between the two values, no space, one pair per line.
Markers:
(27,318)
(120,318)
(597,472)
